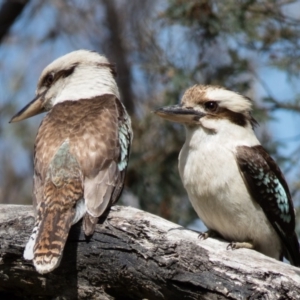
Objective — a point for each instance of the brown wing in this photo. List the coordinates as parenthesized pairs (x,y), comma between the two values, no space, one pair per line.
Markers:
(100,156)
(268,187)
(99,135)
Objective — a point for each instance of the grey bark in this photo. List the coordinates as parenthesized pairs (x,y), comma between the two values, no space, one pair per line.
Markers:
(136,255)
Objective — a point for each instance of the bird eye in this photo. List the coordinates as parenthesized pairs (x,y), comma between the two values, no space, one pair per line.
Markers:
(49,79)
(211,106)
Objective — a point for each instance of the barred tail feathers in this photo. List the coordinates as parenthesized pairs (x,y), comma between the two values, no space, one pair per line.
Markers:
(51,237)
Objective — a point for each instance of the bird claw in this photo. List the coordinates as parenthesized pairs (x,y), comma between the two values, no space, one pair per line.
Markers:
(240,245)
(231,246)
(207,234)
(203,236)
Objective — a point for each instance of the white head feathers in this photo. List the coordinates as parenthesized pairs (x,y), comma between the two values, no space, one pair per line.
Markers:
(77,75)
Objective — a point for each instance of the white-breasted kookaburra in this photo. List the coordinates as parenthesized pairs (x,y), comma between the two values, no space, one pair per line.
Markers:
(81,151)
(234,185)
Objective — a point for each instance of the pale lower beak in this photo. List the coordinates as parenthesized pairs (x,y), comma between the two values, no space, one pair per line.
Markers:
(33,108)
(179,114)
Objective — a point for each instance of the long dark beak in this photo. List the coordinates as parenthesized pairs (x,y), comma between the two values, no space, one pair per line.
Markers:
(33,108)
(179,114)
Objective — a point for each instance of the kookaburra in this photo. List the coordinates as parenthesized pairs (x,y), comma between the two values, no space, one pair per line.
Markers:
(235,187)
(80,154)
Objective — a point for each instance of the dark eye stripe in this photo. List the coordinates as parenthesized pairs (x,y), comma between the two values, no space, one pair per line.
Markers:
(50,78)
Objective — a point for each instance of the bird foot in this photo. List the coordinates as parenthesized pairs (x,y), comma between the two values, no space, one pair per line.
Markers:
(207,234)
(238,245)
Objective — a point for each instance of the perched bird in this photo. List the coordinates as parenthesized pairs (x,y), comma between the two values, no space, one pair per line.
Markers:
(80,154)
(235,187)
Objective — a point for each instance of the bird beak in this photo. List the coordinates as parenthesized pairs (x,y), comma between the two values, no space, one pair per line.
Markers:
(179,114)
(33,108)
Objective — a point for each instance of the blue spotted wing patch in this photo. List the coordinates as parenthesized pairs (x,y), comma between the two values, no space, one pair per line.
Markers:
(269,189)
(267,186)
(125,137)
(124,141)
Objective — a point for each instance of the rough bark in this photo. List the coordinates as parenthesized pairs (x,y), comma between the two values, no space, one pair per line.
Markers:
(136,255)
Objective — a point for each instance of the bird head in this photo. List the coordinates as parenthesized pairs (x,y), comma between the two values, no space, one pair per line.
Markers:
(210,107)
(80,74)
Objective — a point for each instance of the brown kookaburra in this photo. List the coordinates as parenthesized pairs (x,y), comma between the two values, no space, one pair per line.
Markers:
(81,151)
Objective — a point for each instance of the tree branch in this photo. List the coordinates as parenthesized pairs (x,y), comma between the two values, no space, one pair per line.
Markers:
(9,12)
(285,105)
(136,255)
